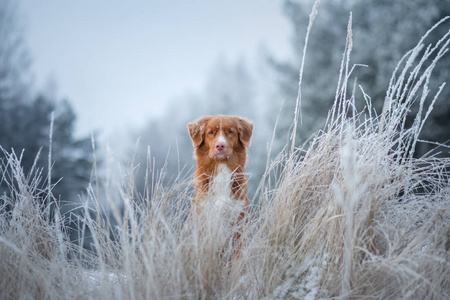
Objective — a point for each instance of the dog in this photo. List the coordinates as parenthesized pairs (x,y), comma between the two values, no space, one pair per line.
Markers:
(220,182)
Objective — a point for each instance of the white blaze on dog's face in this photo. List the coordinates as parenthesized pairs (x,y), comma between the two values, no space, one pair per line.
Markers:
(221,135)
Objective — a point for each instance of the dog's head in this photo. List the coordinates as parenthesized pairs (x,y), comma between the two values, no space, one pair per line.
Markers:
(220,136)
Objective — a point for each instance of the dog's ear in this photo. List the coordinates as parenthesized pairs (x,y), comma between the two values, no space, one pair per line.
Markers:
(197,130)
(245,131)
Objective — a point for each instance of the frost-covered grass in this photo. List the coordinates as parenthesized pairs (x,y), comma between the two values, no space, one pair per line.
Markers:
(353,215)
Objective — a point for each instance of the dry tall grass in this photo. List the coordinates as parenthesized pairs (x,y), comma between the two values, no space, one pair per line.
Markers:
(355,215)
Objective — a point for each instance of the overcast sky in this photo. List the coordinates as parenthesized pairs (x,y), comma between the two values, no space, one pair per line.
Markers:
(119,62)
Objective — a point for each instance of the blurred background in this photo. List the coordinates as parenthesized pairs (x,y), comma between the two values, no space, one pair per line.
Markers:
(126,78)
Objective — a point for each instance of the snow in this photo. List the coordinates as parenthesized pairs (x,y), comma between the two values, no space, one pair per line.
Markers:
(303,281)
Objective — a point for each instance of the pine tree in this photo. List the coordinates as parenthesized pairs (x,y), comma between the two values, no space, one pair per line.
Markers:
(25,119)
(383,31)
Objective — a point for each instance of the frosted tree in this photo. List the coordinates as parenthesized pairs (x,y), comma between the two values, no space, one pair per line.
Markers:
(383,31)
(25,118)
(26,127)
(230,90)
(14,57)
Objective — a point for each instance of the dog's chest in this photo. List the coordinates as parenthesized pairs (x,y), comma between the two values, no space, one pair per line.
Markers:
(220,210)
(220,196)
(220,185)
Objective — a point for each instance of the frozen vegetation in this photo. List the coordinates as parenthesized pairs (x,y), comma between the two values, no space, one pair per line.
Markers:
(353,215)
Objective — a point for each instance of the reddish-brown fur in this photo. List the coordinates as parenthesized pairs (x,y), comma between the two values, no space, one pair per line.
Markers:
(210,153)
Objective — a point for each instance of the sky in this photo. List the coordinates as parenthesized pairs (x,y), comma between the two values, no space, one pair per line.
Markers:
(120,62)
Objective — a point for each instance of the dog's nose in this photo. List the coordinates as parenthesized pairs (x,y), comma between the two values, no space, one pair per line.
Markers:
(220,146)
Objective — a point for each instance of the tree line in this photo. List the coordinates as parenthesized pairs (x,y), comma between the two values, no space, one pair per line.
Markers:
(26,116)
(383,31)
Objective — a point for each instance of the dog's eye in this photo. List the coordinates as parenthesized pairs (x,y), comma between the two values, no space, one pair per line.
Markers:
(230,131)
(211,132)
